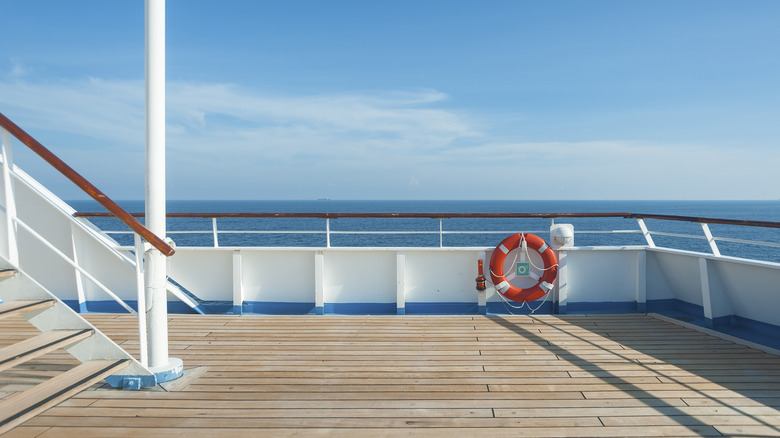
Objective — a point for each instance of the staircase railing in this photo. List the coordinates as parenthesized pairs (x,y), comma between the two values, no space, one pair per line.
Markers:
(8,128)
(83,184)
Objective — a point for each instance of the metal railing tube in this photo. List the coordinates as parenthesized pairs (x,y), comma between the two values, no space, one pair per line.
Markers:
(85,185)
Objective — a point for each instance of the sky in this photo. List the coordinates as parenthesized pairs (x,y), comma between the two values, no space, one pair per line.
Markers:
(423,99)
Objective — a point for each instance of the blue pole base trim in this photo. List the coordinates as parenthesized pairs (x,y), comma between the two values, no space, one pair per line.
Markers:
(132,383)
(401,310)
(317,310)
(173,370)
(482,310)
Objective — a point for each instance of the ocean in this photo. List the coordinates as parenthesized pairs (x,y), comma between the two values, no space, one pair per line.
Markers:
(587,230)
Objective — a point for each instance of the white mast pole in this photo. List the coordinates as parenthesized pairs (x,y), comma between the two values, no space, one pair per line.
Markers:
(156,276)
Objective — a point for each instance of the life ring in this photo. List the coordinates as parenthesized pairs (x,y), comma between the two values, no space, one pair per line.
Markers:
(544,284)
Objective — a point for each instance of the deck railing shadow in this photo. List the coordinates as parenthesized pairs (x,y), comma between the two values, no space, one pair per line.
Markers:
(771,393)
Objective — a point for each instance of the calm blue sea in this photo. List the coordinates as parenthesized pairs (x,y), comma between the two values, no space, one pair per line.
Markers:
(748,210)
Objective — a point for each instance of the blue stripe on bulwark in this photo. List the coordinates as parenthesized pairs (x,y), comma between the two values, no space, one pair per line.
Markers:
(750,329)
(442,308)
(501,308)
(672,306)
(215,307)
(276,308)
(107,306)
(361,308)
(603,307)
(74,305)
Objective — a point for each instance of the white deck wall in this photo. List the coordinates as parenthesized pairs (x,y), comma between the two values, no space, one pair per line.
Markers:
(722,286)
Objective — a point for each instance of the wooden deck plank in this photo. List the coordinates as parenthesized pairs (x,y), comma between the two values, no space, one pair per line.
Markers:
(11,308)
(19,407)
(183,431)
(318,422)
(39,345)
(584,375)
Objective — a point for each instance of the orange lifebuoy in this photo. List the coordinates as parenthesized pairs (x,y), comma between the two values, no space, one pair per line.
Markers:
(546,281)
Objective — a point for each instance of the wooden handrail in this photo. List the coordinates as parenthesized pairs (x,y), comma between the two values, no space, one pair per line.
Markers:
(707,220)
(369,215)
(85,185)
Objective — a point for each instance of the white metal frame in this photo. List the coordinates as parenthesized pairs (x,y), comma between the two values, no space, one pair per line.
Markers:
(643,229)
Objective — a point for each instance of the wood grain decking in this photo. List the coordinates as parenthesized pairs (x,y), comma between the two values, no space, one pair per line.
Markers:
(471,376)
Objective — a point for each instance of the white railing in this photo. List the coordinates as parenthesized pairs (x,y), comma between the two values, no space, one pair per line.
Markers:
(57,214)
(642,229)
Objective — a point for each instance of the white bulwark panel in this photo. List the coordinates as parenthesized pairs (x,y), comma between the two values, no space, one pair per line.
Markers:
(360,276)
(283,276)
(207,274)
(443,276)
(601,276)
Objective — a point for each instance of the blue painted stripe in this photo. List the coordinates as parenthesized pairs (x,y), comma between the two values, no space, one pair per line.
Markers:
(598,308)
(442,308)
(673,306)
(275,308)
(111,306)
(361,308)
(500,308)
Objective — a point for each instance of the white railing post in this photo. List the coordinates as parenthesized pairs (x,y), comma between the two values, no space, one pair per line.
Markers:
(10,202)
(79,281)
(710,239)
(641,281)
(238,283)
(141,297)
(645,232)
(214,231)
(441,234)
(327,232)
(319,283)
(400,283)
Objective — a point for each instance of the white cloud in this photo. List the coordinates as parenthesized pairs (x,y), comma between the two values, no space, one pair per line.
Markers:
(17,69)
(229,141)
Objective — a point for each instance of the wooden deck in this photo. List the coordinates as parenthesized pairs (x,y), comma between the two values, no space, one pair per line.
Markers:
(471,376)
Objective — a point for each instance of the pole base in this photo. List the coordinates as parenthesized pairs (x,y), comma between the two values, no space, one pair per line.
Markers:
(171,371)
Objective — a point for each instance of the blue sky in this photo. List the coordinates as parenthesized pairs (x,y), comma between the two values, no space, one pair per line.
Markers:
(407,99)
